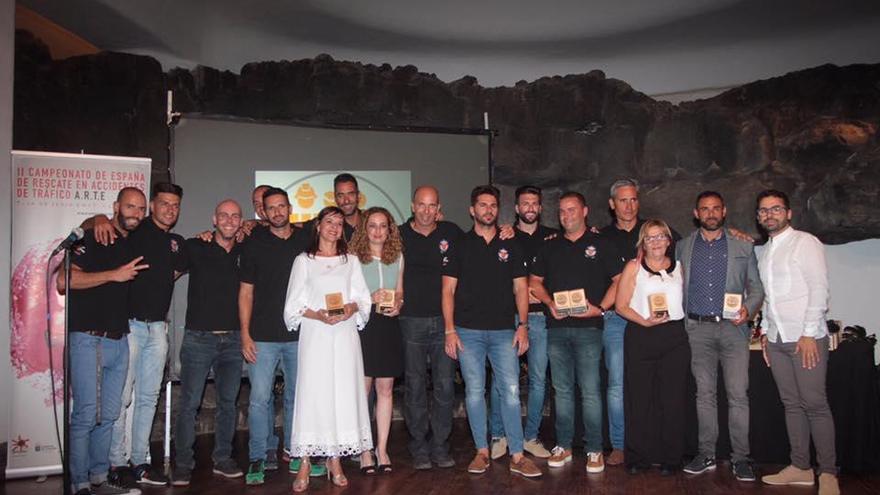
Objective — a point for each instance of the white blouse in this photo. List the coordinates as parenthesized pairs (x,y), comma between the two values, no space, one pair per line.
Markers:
(313,278)
(671,284)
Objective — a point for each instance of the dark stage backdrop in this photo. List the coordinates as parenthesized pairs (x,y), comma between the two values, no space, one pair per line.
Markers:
(215,158)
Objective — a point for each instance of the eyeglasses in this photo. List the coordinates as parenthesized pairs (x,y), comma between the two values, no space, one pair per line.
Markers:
(763,212)
(656,238)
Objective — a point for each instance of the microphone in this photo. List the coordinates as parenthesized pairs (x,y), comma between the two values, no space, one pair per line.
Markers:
(75,235)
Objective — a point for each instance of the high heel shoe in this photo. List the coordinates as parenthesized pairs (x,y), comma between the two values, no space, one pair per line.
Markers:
(382,468)
(301,483)
(368,469)
(337,479)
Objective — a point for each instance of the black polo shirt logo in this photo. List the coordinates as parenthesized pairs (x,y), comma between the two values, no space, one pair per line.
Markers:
(80,249)
(174,246)
(503,255)
(591,252)
(444,246)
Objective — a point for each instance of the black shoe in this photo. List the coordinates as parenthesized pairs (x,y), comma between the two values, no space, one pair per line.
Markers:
(146,475)
(181,476)
(122,477)
(668,469)
(108,488)
(271,462)
(743,471)
(636,468)
(700,464)
(443,461)
(83,491)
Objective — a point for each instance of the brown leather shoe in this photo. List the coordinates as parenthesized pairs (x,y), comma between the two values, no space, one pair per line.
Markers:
(615,458)
(525,467)
(790,475)
(828,484)
(479,465)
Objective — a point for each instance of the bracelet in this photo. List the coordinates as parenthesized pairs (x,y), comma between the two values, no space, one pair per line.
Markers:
(450,332)
(523,324)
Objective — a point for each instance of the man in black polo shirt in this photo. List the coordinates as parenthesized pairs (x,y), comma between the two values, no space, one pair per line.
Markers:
(531,236)
(266,261)
(211,341)
(578,259)
(347,196)
(148,303)
(426,245)
(98,304)
(485,285)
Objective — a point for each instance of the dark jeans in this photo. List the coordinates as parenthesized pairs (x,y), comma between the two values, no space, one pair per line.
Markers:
(199,353)
(423,340)
(655,389)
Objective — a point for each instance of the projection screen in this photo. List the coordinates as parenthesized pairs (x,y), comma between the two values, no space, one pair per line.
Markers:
(214,158)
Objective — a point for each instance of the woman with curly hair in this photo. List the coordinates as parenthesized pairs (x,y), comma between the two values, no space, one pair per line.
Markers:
(377,245)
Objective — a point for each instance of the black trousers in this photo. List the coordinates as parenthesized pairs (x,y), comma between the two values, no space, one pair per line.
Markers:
(656,363)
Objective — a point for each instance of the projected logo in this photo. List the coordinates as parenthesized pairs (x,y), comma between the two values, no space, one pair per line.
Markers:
(310,191)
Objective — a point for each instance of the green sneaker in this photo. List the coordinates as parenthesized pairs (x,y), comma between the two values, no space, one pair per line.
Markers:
(256,474)
(294,465)
(318,470)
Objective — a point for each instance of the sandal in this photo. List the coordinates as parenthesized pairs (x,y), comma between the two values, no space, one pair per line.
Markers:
(383,468)
(368,469)
(301,483)
(337,479)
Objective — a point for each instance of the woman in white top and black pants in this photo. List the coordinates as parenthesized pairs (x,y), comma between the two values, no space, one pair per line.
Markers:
(656,355)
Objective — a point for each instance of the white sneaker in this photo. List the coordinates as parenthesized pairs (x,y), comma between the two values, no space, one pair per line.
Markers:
(499,448)
(559,457)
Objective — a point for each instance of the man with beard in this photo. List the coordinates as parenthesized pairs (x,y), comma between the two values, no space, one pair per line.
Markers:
(426,244)
(531,235)
(98,302)
(795,343)
(211,341)
(347,196)
(577,259)
(257,200)
(718,267)
(484,286)
(148,303)
(266,261)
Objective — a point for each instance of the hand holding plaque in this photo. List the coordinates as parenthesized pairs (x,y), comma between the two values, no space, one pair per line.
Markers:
(561,301)
(732,306)
(386,301)
(335,304)
(570,302)
(657,305)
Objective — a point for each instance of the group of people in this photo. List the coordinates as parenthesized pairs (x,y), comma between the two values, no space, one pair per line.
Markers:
(349,301)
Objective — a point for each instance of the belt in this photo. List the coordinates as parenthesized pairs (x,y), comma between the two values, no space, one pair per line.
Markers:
(705,319)
(221,332)
(105,334)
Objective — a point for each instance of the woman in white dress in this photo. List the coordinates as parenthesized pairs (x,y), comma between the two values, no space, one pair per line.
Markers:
(330,415)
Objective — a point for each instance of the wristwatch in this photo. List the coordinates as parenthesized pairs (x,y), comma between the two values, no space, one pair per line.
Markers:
(602,310)
(523,324)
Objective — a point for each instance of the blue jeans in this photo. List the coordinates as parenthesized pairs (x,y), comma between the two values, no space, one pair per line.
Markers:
(429,427)
(199,353)
(612,341)
(537,359)
(574,357)
(478,345)
(261,411)
(96,363)
(148,349)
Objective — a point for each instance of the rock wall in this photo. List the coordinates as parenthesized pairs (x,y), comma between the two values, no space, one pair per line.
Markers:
(812,133)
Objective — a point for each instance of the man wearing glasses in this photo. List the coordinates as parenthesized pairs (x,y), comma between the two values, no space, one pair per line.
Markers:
(795,341)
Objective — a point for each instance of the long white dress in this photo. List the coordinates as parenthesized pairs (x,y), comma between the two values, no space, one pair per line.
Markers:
(330,415)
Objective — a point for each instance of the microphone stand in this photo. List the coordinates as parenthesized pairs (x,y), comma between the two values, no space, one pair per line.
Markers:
(65,450)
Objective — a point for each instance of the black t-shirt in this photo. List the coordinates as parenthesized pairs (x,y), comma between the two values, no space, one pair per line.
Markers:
(266,260)
(625,242)
(531,244)
(212,297)
(588,263)
(484,297)
(424,257)
(105,307)
(150,294)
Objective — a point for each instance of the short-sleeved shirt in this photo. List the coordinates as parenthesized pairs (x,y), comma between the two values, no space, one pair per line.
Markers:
(424,257)
(151,290)
(588,263)
(266,260)
(625,241)
(212,296)
(105,307)
(531,244)
(484,297)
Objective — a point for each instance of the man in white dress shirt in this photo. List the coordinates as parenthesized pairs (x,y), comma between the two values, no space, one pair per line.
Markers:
(795,341)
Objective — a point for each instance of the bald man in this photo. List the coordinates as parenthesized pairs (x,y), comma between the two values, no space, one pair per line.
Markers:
(211,340)
(426,242)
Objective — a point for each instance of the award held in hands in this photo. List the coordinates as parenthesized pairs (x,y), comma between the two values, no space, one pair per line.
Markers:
(335,304)
(386,301)
(658,305)
(577,302)
(562,302)
(732,305)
